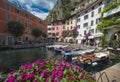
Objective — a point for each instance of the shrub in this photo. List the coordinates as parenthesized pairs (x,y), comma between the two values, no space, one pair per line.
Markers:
(49,71)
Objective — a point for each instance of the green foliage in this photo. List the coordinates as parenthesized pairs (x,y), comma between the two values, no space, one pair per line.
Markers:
(15,28)
(113,43)
(106,23)
(36,32)
(109,7)
(103,41)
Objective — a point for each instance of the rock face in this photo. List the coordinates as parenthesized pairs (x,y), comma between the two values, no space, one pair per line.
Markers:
(62,9)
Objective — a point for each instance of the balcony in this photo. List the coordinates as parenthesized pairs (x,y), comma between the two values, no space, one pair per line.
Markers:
(112,11)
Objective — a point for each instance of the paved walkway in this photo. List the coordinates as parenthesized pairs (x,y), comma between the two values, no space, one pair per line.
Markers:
(113,74)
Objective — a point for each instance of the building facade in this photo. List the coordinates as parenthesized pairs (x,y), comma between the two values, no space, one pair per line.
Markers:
(10,12)
(87,20)
(55,29)
(70,24)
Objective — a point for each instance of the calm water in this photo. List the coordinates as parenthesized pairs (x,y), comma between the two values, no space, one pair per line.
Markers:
(12,59)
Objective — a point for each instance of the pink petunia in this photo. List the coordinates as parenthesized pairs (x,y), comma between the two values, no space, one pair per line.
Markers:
(37,62)
(54,73)
(27,66)
(43,73)
(11,79)
(30,76)
(12,72)
(70,78)
(60,73)
(77,67)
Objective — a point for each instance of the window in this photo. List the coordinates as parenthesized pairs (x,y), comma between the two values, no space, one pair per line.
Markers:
(85,25)
(78,20)
(18,20)
(67,23)
(17,11)
(71,22)
(71,27)
(78,26)
(99,10)
(26,15)
(8,17)
(96,30)
(49,33)
(57,28)
(53,28)
(26,23)
(57,33)
(7,6)
(53,34)
(92,23)
(30,24)
(49,28)
(92,14)
(85,17)
(30,17)
(85,32)
(98,20)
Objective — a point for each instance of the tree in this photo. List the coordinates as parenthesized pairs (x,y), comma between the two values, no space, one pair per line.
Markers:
(44,34)
(36,32)
(15,28)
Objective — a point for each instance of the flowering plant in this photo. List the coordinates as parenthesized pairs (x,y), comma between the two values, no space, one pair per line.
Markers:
(49,71)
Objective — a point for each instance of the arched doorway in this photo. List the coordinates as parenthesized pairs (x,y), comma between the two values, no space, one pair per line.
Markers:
(115,36)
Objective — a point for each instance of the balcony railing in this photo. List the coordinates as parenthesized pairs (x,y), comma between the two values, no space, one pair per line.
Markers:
(111,12)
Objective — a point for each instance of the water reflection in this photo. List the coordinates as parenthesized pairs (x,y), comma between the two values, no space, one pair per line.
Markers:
(10,60)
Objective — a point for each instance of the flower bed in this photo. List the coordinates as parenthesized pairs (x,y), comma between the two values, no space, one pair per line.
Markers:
(48,71)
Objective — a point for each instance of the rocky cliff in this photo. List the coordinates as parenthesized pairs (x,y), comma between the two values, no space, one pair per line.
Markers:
(62,10)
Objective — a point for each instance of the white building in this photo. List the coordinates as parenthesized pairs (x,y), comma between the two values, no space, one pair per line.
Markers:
(88,18)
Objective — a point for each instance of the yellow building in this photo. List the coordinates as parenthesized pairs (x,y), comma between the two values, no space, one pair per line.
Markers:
(70,24)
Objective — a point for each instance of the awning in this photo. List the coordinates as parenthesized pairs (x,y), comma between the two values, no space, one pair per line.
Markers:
(95,35)
(80,38)
(90,37)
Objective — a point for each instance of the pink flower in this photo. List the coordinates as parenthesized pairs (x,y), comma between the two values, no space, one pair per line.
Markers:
(30,76)
(35,80)
(43,73)
(27,66)
(11,79)
(60,73)
(12,72)
(54,73)
(61,68)
(77,67)
(37,62)
(70,78)
(76,77)
(46,80)
(56,79)
(41,66)
(69,65)
(44,62)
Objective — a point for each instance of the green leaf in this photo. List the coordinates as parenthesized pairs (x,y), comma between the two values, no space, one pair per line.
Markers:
(64,80)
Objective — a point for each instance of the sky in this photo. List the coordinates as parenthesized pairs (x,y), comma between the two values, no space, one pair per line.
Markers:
(39,8)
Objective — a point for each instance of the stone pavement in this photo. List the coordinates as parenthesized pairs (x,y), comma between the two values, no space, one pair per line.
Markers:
(113,74)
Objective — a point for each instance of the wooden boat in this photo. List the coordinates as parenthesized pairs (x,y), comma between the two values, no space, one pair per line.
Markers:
(89,58)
